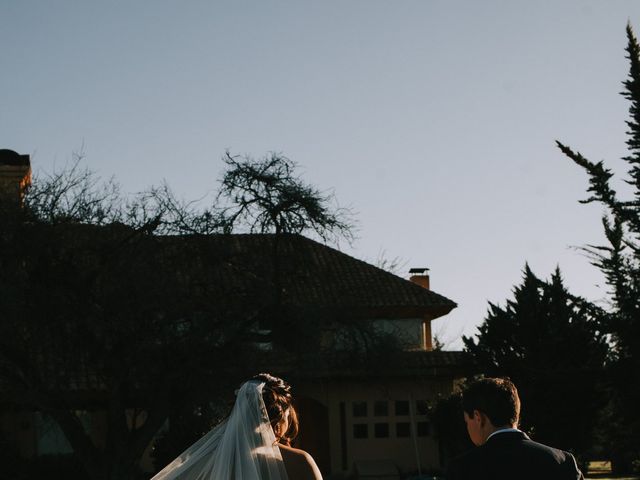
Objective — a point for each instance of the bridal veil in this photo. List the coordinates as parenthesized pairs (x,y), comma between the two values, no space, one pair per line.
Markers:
(242,447)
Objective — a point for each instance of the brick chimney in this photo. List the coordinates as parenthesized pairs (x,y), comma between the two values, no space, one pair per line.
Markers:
(420,276)
(15,176)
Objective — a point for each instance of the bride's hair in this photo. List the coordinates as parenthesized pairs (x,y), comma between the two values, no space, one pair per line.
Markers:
(276,394)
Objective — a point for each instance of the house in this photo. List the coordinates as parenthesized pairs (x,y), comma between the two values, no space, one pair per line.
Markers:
(360,413)
(357,416)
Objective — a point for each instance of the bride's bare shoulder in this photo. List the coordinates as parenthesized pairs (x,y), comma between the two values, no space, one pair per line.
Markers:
(299,464)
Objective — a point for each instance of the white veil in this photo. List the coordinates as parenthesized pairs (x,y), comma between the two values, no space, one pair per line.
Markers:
(242,447)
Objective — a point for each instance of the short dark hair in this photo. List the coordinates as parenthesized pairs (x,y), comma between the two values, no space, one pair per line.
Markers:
(497,398)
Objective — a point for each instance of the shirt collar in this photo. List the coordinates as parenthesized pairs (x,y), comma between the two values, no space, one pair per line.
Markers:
(503,430)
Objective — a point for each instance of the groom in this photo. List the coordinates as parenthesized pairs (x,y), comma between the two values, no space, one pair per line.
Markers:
(492,411)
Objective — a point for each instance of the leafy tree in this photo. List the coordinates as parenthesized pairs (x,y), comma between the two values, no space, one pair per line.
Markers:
(125,306)
(547,341)
(619,260)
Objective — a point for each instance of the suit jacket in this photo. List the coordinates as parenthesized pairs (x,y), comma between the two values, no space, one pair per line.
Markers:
(513,455)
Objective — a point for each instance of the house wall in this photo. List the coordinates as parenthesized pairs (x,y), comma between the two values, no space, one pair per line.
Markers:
(343,401)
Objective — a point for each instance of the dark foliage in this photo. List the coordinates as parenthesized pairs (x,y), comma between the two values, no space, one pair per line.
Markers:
(124,306)
(187,425)
(547,341)
(619,260)
(47,466)
(451,428)
(111,318)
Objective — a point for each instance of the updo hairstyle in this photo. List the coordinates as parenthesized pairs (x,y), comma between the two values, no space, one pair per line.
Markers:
(277,398)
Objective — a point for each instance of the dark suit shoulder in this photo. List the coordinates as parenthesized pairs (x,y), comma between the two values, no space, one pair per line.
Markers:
(542,450)
(464,465)
(513,455)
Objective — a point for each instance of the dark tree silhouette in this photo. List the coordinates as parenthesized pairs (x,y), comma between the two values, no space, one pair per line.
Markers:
(267,195)
(450,427)
(547,341)
(619,260)
(125,307)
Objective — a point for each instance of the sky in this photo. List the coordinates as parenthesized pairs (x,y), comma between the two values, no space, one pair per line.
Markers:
(433,121)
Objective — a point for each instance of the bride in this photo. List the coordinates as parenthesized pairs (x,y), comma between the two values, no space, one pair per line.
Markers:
(253,443)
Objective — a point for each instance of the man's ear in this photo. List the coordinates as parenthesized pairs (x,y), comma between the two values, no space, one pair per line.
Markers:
(480,417)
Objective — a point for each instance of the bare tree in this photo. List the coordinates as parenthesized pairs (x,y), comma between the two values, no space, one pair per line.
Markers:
(129,306)
(267,196)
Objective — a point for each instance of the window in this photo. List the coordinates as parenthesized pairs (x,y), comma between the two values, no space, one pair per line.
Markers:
(359,409)
(381,408)
(422,407)
(402,407)
(403,429)
(423,429)
(360,430)
(381,430)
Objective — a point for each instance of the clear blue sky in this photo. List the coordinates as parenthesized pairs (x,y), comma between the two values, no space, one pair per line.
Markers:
(433,120)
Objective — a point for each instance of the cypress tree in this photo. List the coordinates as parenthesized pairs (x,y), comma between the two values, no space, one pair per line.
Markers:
(619,260)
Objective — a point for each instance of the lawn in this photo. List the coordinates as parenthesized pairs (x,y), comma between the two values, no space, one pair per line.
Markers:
(601,470)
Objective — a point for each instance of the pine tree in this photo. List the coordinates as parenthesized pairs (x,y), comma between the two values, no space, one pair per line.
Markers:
(619,260)
(546,340)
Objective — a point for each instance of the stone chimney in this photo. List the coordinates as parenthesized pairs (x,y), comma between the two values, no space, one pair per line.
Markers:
(15,176)
(420,276)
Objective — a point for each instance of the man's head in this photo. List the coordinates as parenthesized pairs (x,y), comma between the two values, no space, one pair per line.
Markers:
(490,404)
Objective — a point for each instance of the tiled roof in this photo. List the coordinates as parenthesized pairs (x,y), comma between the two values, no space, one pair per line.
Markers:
(315,275)
(407,364)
